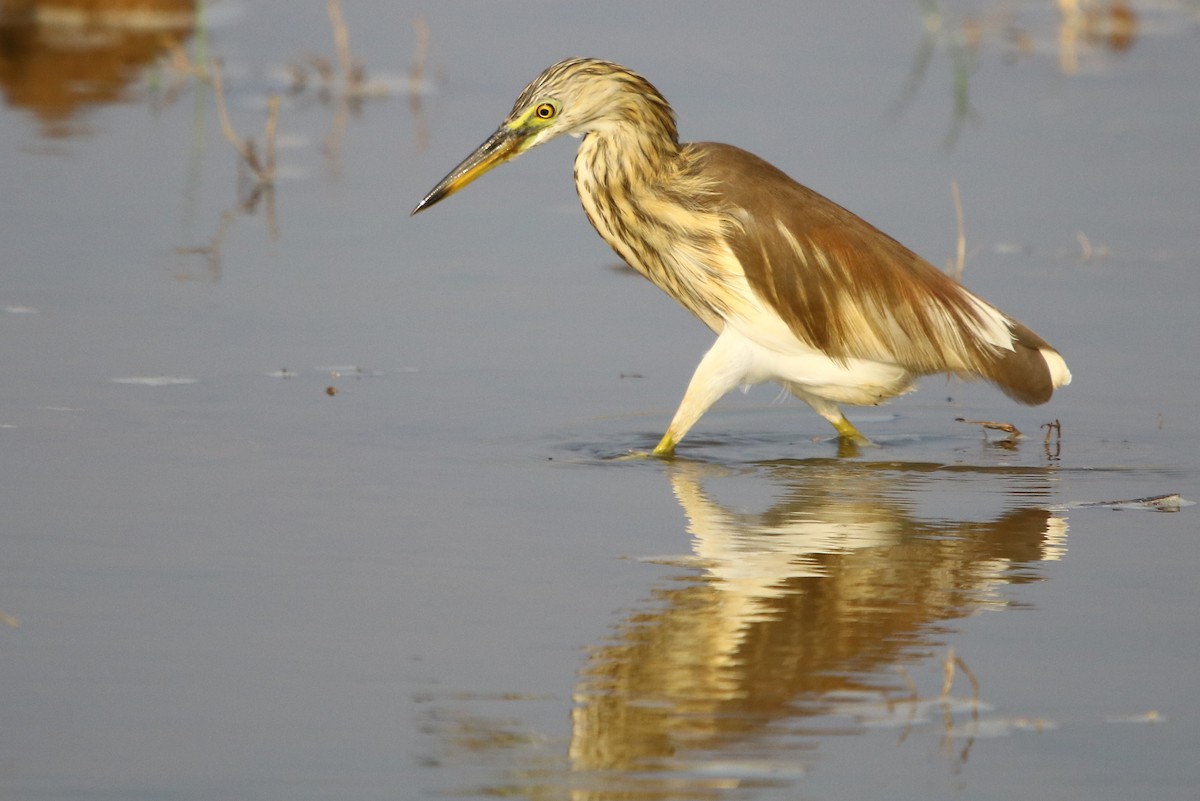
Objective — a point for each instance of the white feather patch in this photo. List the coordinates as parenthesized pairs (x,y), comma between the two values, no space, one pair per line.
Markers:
(1060,376)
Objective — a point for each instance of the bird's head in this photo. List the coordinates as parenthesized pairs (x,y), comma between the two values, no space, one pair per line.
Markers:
(576,97)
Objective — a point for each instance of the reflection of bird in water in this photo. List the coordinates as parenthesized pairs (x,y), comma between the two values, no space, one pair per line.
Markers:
(834,514)
(799,290)
(750,557)
(788,631)
(817,595)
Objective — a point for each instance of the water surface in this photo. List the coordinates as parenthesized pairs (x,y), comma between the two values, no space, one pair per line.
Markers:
(304,498)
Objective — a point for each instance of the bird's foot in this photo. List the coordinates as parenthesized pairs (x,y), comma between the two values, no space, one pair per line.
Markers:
(665,449)
(849,438)
(634,456)
(848,447)
(847,433)
(858,440)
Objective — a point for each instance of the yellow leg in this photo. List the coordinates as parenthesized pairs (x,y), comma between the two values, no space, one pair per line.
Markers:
(665,446)
(664,450)
(719,371)
(847,431)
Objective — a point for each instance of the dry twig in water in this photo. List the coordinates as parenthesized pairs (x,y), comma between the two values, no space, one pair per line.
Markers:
(416,80)
(1008,428)
(959,265)
(353,74)
(954,660)
(264,171)
(416,72)
(1053,428)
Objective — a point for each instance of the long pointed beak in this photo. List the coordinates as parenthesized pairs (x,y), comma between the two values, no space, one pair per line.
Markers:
(501,146)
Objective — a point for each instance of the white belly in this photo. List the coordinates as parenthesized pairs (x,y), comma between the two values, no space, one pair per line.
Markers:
(855,381)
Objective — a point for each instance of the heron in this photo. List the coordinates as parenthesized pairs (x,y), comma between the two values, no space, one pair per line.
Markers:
(798,290)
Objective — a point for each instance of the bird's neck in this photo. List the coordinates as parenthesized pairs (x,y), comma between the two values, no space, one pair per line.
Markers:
(645,196)
(626,155)
(621,172)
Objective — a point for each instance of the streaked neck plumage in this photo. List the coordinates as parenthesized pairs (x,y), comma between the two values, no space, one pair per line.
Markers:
(646,197)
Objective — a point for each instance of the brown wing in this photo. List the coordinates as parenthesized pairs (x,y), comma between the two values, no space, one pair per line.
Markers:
(848,289)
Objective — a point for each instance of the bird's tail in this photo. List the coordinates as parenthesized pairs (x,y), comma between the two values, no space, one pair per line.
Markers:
(1031,371)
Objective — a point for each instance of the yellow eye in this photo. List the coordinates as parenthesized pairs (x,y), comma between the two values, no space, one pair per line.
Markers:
(545,111)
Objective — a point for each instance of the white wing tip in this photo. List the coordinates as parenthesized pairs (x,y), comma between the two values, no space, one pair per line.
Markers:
(1060,376)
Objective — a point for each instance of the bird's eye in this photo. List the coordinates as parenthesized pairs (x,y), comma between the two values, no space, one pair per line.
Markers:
(545,111)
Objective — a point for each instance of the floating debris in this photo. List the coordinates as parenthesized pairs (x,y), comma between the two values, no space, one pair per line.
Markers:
(1170,502)
(350,371)
(1152,716)
(1010,248)
(154,380)
(745,769)
(895,713)
(999,727)
(1007,428)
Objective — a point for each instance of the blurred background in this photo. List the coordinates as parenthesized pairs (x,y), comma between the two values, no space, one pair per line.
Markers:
(306,498)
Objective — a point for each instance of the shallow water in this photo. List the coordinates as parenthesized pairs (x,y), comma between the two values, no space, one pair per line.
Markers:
(307,499)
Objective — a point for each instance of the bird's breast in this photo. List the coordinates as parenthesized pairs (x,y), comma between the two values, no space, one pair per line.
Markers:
(680,250)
